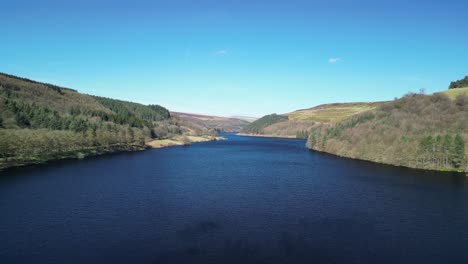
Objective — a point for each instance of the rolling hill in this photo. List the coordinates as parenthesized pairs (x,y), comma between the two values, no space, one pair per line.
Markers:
(417,131)
(249,119)
(40,122)
(300,122)
(258,126)
(331,113)
(220,124)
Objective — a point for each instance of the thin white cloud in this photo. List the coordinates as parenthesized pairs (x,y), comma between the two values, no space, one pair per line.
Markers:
(333,60)
(222,52)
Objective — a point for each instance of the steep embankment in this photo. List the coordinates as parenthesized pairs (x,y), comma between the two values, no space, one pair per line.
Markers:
(299,123)
(40,122)
(418,131)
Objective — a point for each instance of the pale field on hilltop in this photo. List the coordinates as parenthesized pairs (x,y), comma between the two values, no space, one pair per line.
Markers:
(331,113)
(453,93)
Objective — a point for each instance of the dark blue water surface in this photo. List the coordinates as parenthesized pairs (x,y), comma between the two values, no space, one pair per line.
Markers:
(245,200)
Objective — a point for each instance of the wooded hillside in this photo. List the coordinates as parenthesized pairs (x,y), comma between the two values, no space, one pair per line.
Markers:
(39,122)
(418,131)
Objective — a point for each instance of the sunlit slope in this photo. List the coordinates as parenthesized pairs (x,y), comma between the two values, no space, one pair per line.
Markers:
(299,123)
(417,131)
(331,113)
(453,93)
(41,122)
(47,95)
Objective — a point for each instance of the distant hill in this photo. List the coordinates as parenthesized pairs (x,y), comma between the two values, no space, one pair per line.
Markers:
(459,83)
(220,124)
(40,122)
(249,119)
(299,123)
(258,126)
(417,130)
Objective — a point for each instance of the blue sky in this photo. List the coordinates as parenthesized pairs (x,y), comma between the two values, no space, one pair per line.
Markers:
(237,57)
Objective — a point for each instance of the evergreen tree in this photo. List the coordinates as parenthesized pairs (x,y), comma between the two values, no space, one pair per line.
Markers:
(312,140)
(131,135)
(22,120)
(302,134)
(447,148)
(459,151)
(459,84)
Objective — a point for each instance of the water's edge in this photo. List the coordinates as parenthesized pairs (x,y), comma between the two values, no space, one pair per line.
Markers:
(461,172)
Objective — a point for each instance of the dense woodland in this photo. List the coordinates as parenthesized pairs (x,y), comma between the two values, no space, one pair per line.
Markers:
(419,131)
(39,122)
(459,84)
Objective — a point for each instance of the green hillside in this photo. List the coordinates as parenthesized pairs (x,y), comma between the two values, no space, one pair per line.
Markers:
(418,131)
(40,122)
(299,123)
(257,127)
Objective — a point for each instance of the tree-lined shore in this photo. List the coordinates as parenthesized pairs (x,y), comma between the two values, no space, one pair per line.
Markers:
(41,122)
(417,131)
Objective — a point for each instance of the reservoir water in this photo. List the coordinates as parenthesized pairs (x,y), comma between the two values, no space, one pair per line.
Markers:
(244,200)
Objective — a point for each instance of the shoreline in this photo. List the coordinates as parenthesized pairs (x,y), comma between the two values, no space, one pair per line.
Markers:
(465,173)
(71,155)
(353,158)
(92,152)
(264,136)
(181,141)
